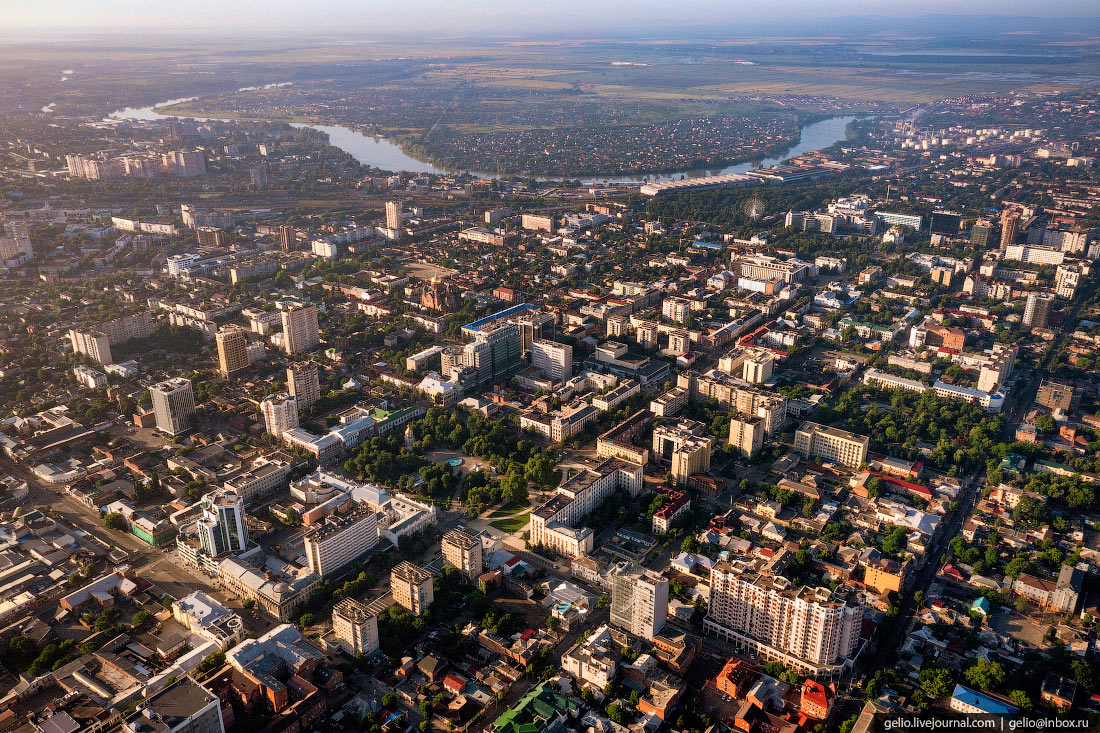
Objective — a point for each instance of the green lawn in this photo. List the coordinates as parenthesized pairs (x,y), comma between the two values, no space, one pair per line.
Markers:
(508,509)
(512,525)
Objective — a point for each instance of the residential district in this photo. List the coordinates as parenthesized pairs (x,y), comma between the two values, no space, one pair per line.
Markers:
(799,449)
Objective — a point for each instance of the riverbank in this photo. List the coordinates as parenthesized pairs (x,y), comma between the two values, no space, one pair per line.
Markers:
(400,154)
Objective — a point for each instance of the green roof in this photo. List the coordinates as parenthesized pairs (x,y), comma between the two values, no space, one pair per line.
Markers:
(539,705)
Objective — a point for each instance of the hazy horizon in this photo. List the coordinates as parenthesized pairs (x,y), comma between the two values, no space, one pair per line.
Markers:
(30,20)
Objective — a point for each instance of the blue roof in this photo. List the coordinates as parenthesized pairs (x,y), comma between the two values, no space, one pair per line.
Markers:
(507,312)
(985,703)
(981,604)
(709,245)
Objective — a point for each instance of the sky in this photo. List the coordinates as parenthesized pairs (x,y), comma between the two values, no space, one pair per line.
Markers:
(408,18)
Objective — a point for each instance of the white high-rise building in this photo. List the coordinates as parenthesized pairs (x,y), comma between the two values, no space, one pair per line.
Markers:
(340,539)
(639,600)
(15,245)
(554,360)
(300,330)
(411,587)
(814,631)
(96,345)
(304,383)
(1037,309)
(393,214)
(173,405)
(463,551)
(280,413)
(222,528)
(355,626)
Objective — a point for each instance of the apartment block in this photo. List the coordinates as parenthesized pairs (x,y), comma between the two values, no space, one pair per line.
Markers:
(411,587)
(831,444)
(340,539)
(639,600)
(463,551)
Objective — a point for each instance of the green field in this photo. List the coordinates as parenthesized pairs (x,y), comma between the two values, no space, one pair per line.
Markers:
(508,509)
(513,525)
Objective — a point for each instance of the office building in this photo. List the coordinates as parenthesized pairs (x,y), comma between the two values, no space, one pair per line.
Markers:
(831,444)
(684,446)
(639,600)
(355,626)
(280,413)
(393,214)
(173,405)
(300,330)
(202,615)
(463,551)
(340,539)
(232,351)
(945,223)
(1037,309)
(304,383)
(554,360)
(411,587)
(221,527)
(814,631)
(747,435)
(735,396)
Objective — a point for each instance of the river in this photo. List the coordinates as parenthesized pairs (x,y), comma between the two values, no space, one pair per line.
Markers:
(378,152)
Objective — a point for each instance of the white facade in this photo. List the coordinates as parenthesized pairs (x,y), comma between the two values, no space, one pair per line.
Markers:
(639,600)
(340,539)
(355,627)
(554,360)
(300,330)
(280,413)
(173,405)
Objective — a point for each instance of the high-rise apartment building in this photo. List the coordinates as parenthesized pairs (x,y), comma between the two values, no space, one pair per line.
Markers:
(814,631)
(747,434)
(232,351)
(1010,228)
(300,330)
(1037,309)
(304,383)
(411,587)
(15,244)
(554,360)
(280,413)
(463,551)
(639,600)
(979,234)
(93,344)
(288,238)
(221,527)
(173,405)
(684,446)
(393,214)
(355,626)
(832,444)
(340,539)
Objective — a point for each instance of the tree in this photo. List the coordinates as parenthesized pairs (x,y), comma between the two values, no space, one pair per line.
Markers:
(214,660)
(141,618)
(615,713)
(306,620)
(292,517)
(553,623)
(985,674)
(1021,700)
(389,700)
(1045,423)
(937,682)
(114,520)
